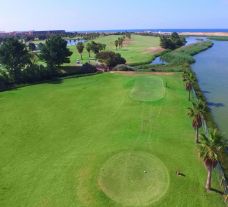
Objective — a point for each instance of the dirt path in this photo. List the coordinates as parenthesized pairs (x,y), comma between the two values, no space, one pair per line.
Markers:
(154,50)
(127,42)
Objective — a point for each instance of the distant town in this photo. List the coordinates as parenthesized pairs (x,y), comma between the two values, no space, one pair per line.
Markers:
(32,33)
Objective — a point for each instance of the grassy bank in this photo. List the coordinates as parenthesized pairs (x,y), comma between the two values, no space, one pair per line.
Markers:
(185,54)
(177,60)
(225,38)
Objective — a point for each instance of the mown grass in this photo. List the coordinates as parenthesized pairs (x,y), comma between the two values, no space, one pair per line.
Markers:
(148,89)
(55,138)
(138,50)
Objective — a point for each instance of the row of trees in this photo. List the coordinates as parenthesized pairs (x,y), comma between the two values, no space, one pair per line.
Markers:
(90,47)
(119,42)
(172,41)
(212,145)
(20,64)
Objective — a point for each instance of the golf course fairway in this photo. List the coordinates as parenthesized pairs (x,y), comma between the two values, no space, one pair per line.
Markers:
(85,142)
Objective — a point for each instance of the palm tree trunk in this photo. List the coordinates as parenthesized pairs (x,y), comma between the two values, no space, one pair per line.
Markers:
(81,56)
(197,135)
(208,183)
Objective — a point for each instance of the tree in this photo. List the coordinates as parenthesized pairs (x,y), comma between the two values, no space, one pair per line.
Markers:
(102,46)
(88,48)
(29,38)
(110,59)
(128,35)
(196,113)
(172,42)
(120,40)
(210,148)
(80,47)
(116,44)
(40,46)
(55,52)
(189,81)
(15,56)
(31,46)
(97,47)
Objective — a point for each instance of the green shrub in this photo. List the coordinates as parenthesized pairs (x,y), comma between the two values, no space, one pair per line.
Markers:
(123,67)
(4,80)
(75,70)
(37,73)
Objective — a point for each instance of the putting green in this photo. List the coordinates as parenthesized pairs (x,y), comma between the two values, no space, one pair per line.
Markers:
(134,178)
(148,88)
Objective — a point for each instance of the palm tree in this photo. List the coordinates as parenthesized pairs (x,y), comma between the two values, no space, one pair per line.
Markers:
(196,112)
(210,148)
(189,79)
(185,75)
(120,41)
(80,48)
(88,48)
(116,44)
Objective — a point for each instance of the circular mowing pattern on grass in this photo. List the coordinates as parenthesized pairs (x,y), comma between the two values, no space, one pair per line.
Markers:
(148,88)
(134,178)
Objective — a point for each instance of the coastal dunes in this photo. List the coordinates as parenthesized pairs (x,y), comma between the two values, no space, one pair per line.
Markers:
(213,34)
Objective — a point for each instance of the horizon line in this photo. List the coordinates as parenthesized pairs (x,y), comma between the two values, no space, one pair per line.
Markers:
(124,29)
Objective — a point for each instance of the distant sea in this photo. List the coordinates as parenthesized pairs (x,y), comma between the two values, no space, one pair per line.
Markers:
(158,30)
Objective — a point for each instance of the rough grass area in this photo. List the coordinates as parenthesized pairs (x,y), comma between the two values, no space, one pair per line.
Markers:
(137,50)
(148,88)
(56,137)
(185,54)
(218,38)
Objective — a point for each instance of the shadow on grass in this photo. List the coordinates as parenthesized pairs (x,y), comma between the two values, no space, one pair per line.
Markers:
(57,80)
(216,191)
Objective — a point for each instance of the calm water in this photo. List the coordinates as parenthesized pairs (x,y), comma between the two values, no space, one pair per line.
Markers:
(211,68)
(192,40)
(158,61)
(74,42)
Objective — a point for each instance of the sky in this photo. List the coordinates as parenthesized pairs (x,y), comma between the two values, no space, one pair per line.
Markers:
(79,15)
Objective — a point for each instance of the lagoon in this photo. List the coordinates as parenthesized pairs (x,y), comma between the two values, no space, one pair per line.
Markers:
(211,68)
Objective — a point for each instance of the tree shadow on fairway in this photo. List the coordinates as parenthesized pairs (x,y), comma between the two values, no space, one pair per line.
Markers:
(55,81)
(217,191)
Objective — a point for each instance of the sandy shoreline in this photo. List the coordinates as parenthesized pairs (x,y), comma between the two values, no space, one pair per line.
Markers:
(215,34)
